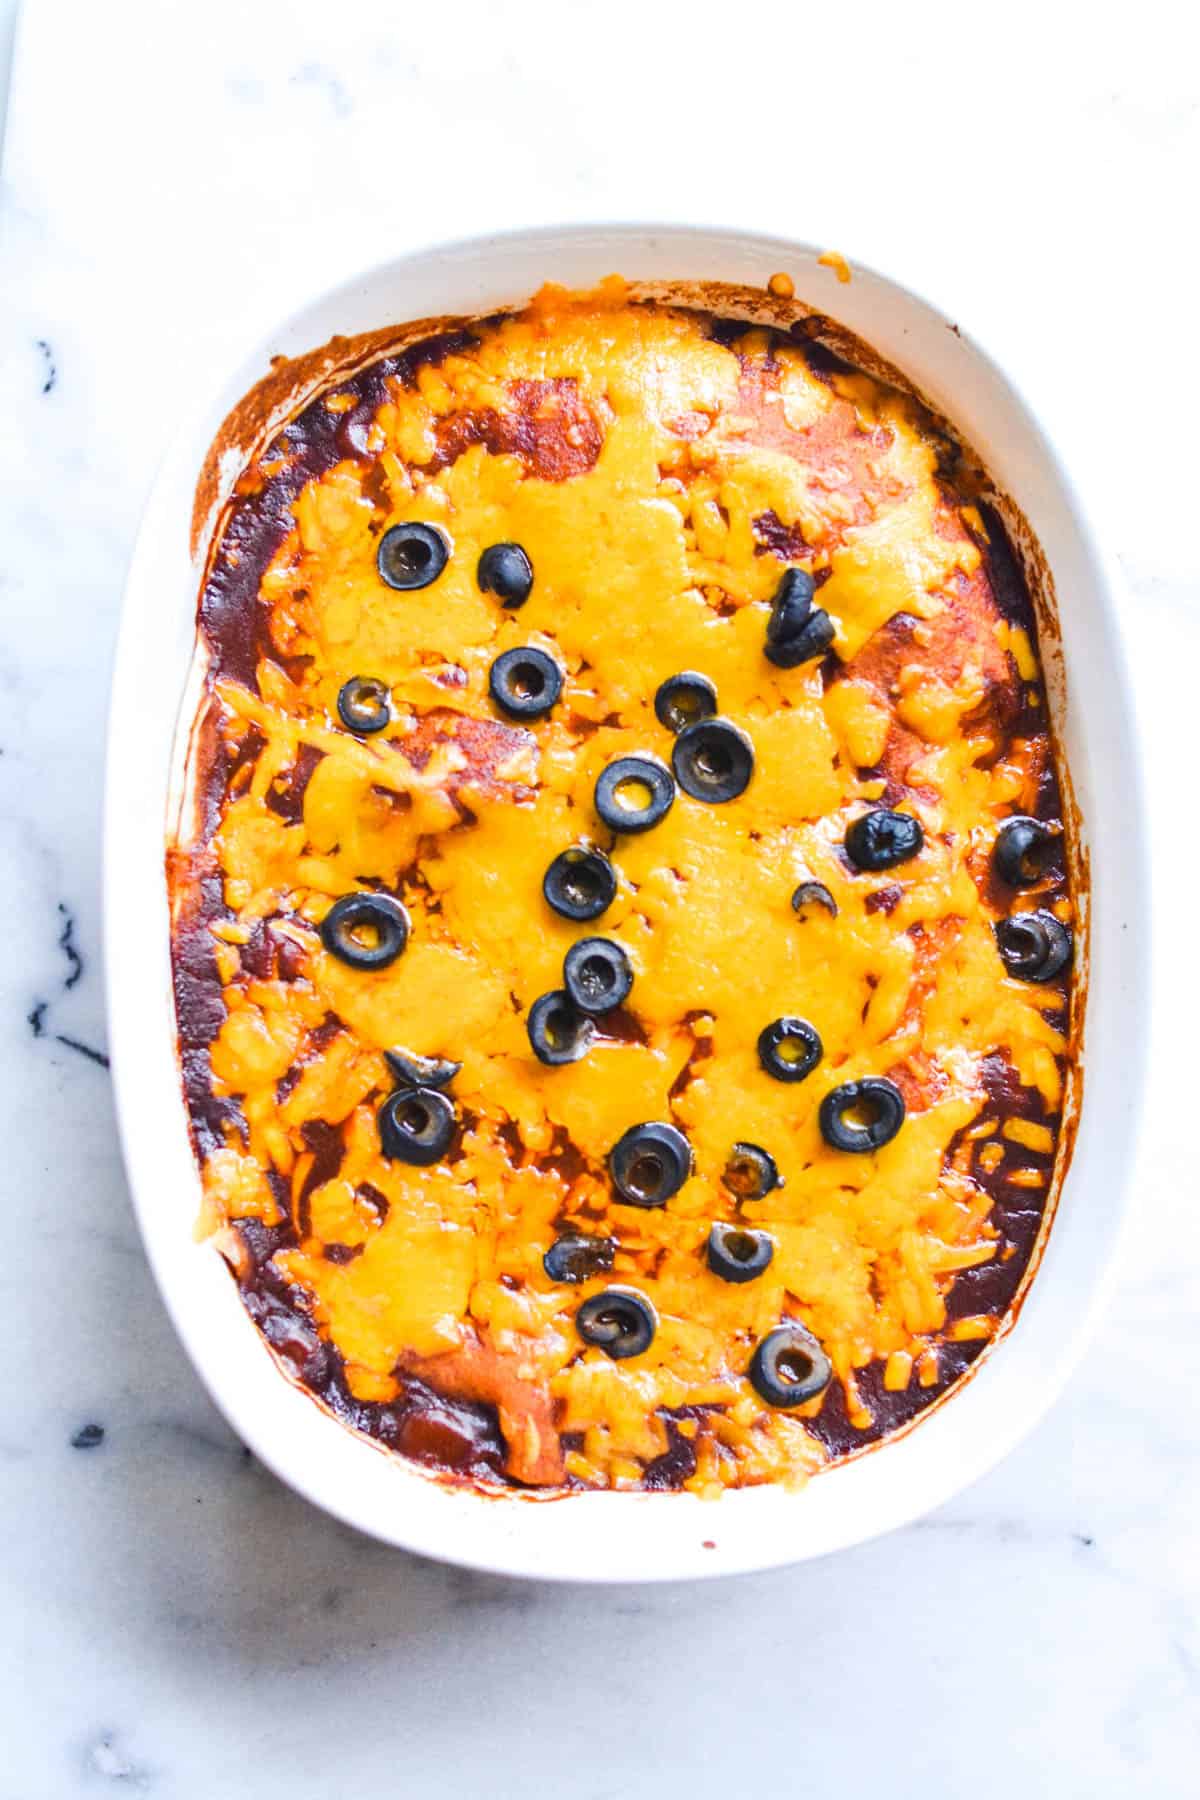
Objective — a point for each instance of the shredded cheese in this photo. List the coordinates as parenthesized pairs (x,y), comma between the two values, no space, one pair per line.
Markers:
(694,468)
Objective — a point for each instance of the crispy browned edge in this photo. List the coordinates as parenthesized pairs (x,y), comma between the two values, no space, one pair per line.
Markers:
(291,383)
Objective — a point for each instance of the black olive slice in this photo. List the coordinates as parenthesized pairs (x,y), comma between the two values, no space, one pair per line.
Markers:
(684,700)
(814,893)
(574,1257)
(1022,849)
(713,761)
(751,1172)
(649,1163)
(634,793)
(620,1321)
(738,1254)
(880,1106)
(525,683)
(580,883)
(506,571)
(790,1367)
(791,607)
(412,556)
(364,705)
(789,1049)
(558,1032)
(597,974)
(420,1071)
(881,839)
(368,931)
(416,1126)
(1034,946)
(812,640)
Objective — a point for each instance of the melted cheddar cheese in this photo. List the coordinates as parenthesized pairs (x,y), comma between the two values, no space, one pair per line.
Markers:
(660,471)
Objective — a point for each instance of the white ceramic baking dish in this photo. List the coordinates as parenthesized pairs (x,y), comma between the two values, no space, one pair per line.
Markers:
(651,1537)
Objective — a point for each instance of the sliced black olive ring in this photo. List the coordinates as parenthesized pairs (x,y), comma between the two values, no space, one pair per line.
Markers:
(525,683)
(713,760)
(364,705)
(558,1031)
(649,1163)
(791,607)
(620,1321)
(751,1172)
(790,1367)
(881,839)
(814,893)
(789,1049)
(412,556)
(574,1257)
(684,700)
(506,571)
(737,1254)
(580,883)
(1034,946)
(416,1126)
(812,640)
(597,974)
(1022,849)
(879,1105)
(634,793)
(420,1071)
(368,931)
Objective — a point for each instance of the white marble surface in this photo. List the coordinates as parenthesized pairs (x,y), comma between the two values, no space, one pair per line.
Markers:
(173,1621)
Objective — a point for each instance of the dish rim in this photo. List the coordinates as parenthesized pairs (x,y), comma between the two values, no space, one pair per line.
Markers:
(505,1556)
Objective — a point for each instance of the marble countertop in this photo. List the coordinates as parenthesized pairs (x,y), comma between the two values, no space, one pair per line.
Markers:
(175,1622)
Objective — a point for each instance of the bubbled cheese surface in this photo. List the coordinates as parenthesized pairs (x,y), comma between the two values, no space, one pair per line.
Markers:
(660,477)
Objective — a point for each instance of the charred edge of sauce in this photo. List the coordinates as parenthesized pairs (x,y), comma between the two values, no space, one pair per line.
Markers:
(991,1289)
(288,384)
(232,616)
(1022,1216)
(455,1437)
(200,1011)
(1008,527)
(196,894)
(461,1438)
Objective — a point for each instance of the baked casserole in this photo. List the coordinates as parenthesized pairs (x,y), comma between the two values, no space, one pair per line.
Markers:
(622,928)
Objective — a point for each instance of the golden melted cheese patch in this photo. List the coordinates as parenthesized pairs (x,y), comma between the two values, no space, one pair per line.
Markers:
(656,504)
